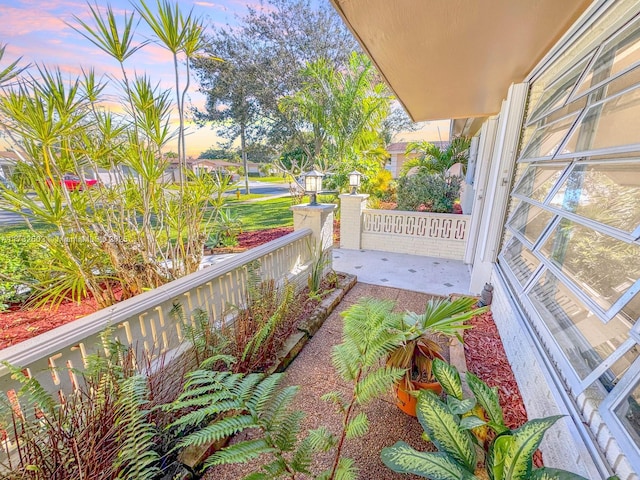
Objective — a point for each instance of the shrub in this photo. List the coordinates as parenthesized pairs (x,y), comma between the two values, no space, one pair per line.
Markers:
(428,192)
(16,258)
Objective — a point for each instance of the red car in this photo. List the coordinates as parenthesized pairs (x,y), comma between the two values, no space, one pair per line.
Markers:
(73,182)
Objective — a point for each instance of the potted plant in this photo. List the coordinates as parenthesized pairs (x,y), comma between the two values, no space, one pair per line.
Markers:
(472,439)
(422,344)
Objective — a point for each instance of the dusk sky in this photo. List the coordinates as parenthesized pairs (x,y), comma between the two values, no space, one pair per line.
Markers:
(38,32)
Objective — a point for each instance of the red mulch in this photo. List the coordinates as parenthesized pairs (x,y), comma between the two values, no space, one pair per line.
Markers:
(18,324)
(486,358)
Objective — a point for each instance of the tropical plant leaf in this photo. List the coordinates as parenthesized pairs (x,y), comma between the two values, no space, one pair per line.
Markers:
(402,458)
(488,398)
(496,455)
(448,377)
(546,473)
(460,407)
(468,423)
(518,461)
(444,431)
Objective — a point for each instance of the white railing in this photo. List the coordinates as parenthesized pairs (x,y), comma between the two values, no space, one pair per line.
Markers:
(146,321)
(420,233)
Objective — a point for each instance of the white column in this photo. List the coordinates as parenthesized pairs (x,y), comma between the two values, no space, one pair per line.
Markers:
(498,186)
(319,218)
(351,207)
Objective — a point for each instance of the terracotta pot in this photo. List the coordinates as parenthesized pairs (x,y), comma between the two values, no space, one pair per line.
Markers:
(407,402)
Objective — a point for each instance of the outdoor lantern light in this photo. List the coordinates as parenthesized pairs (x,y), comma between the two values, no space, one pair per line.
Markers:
(354,181)
(313,185)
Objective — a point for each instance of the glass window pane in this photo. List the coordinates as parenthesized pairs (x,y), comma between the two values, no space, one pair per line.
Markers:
(555,95)
(530,221)
(629,414)
(608,193)
(520,260)
(618,54)
(612,375)
(547,139)
(600,265)
(609,124)
(538,180)
(632,309)
(580,334)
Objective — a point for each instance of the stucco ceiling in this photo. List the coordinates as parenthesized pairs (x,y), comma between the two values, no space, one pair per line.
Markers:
(456,58)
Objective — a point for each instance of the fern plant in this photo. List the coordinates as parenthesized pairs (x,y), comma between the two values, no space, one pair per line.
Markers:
(368,337)
(101,430)
(221,404)
(458,426)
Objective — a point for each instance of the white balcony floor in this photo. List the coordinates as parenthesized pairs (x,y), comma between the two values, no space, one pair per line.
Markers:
(437,276)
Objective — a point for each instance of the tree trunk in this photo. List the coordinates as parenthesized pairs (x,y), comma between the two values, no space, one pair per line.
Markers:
(244,159)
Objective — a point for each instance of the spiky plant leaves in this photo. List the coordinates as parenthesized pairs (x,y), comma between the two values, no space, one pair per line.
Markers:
(436,466)
(448,377)
(444,431)
(358,426)
(448,316)
(136,456)
(555,474)
(488,398)
(107,35)
(377,383)
(518,461)
(469,423)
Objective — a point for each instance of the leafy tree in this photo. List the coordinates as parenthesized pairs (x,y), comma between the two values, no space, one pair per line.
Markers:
(342,111)
(433,159)
(217,154)
(267,51)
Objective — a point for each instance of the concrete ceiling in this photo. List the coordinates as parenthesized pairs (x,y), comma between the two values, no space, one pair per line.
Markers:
(456,58)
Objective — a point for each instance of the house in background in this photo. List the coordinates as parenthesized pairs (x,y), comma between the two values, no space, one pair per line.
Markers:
(206,165)
(397,156)
(550,92)
(7,164)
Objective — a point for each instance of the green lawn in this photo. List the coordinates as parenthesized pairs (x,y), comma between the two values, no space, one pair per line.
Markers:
(272,179)
(262,215)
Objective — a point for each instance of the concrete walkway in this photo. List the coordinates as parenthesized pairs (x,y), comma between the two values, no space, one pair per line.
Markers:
(436,276)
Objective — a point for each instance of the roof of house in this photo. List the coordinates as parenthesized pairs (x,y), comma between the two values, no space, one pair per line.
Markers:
(456,59)
(222,163)
(7,155)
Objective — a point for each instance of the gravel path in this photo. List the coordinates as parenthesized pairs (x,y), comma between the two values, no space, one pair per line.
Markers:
(312,370)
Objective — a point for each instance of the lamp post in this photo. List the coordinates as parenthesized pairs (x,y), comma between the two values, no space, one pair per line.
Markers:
(354,181)
(313,185)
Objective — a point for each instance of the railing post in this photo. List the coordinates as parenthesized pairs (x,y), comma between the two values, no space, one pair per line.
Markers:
(319,218)
(351,207)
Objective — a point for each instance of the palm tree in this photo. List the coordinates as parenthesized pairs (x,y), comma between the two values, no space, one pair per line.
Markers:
(433,159)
